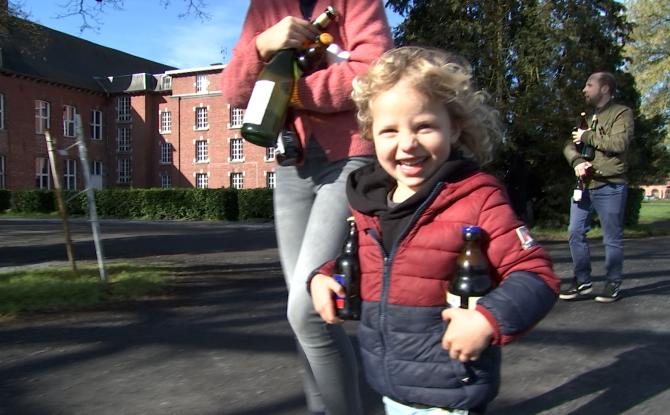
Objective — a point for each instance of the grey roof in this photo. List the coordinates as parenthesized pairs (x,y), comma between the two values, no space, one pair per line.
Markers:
(37,51)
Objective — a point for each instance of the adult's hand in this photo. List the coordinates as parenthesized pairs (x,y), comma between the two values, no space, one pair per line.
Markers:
(289,32)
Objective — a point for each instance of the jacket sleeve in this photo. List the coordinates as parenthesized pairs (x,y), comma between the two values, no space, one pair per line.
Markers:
(527,287)
(616,138)
(241,72)
(571,154)
(366,35)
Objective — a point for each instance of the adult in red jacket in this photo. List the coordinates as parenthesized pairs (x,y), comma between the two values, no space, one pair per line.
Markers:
(309,199)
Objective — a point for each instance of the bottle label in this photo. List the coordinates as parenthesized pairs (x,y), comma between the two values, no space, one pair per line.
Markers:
(339,301)
(258,103)
(455,301)
(577,195)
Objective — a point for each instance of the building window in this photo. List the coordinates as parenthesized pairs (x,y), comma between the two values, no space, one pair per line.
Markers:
(236,149)
(42,174)
(2,172)
(271,180)
(96,168)
(166,82)
(201,83)
(42,113)
(123,139)
(69,114)
(123,108)
(237,180)
(166,180)
(270,153)
(236,116)
(70,174)
(201,180)
(96,124)
(201,122)
(124,171)
(2,111)
(166,153)
(201,151)
(166,122)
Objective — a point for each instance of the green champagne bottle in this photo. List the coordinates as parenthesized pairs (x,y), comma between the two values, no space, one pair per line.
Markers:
(265,115)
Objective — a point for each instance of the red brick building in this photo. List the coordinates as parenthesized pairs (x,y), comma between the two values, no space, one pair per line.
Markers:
(145,124)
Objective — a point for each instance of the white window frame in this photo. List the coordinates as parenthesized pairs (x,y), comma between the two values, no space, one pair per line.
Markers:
(271,180)
(237,180)
(123,139)
(166,153)
(166,122)
(96,124)
(201,151)
(2,111)
(201,180)
(166,83)
(166,180)
(2,171)
(123,170)
(69,117)
(70,174)
(201,118)
(123,108)
(96,168)
(270,153)
(42,173)
(201,83)
(42,116)
(235,117)
(236,150)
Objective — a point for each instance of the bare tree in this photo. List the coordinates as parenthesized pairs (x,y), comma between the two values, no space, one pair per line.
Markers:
(92,11)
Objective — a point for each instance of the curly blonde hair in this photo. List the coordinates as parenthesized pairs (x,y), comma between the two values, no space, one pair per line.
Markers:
(438,75)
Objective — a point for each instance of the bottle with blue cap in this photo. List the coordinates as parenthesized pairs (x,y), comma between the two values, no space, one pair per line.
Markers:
(472,280)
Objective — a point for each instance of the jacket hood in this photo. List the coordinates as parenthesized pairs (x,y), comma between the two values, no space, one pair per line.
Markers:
(368,187)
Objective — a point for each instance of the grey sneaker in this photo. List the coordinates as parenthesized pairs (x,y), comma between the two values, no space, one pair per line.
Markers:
(610,294)
(575,290)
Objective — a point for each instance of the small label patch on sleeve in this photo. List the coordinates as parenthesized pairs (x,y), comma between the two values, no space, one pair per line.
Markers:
(525,237)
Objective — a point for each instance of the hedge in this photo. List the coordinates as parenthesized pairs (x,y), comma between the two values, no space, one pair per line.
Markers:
(153,204)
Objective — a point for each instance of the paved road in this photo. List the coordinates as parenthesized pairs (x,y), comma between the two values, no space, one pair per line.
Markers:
(218,343)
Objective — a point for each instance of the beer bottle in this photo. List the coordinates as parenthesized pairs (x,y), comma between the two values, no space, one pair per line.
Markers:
(472,280)
(312,58)
(268,105)
(579,190)
(347,274)
(587,152)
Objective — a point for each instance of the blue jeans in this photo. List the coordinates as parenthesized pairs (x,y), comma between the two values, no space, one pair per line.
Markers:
(310,209)
(609,202)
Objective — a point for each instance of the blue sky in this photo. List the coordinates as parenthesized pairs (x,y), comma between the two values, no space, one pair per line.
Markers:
(145,28)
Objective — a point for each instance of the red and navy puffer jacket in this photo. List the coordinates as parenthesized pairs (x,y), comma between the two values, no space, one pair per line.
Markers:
(404,290)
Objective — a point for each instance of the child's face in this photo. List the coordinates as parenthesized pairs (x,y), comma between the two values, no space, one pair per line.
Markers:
(413,136)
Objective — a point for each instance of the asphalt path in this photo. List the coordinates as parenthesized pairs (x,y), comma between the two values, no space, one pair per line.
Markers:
(218,341)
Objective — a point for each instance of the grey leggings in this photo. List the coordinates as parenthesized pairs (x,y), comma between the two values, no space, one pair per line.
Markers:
(310,210)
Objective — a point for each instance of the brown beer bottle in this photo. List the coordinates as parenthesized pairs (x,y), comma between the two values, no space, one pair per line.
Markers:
(587,152)
(472,280)
(313,57)
(266,111)
(347,274)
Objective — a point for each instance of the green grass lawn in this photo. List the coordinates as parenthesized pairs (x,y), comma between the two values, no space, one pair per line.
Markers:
(58,288)
(654,221)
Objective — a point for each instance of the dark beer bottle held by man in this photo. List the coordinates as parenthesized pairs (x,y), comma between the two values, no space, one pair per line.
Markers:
(347,274)
(587,152)
(266,111)
(472,280)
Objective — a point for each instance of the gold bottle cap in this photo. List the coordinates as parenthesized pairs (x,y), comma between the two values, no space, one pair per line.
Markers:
(326,38)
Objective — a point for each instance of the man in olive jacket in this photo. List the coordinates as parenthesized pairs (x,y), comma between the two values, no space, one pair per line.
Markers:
(604,187)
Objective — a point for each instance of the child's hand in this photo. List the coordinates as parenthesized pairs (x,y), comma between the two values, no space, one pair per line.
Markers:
(467,335)
(323,288)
